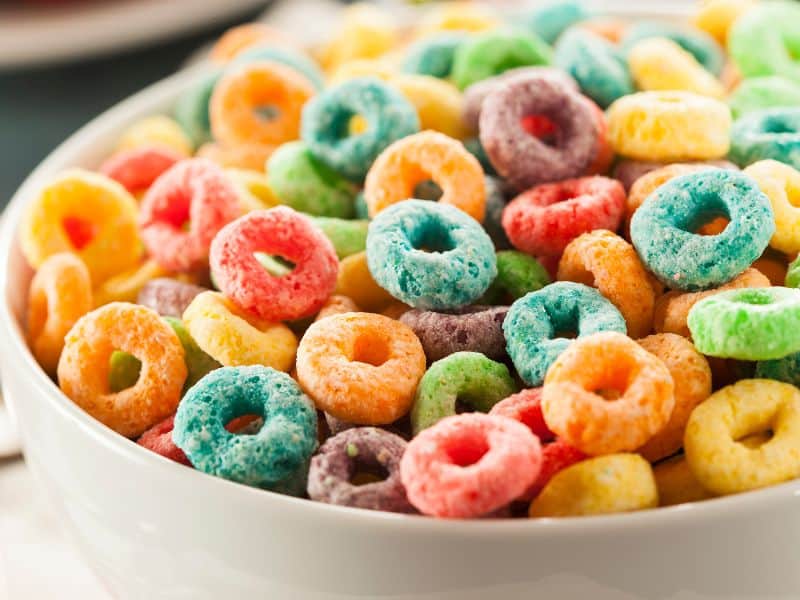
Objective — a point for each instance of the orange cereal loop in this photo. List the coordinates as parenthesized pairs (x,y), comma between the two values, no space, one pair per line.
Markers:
(606,394)
(608,27)
(692,377)
(421,157)
(672,309)
(243,37)
(361,368)
(258,103)
(60,293)
(125,286)
(87,214)
(356,282)
(647,184)
(337,305)
(604,260)
(239,156)
(395,310)
(83,371)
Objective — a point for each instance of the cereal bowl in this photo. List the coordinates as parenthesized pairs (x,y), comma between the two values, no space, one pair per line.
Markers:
(151,528)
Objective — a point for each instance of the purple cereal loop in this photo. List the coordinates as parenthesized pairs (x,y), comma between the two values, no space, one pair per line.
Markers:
(337,426)
(475,94)
(470,329)
(335,464)
(168,297)
(521,158)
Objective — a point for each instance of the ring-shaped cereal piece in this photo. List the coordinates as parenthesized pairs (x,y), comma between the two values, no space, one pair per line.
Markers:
(604,260)
(421,157)
(714,434)
(672,309)
(156,130)
(87,214)
(259,103)
(663,229)
(247,35)
(468,377)
(356,282)
(326,124)
(60,293)
(283,232)
(692,377)
(268,458)
(517,274)
(596,64)
(764,40)
(469,329)
(606,394)
(136,169)
(523,159)
(670,126)
(534,321)
(758,93)
(602,485)
(234,338)
(360,367)
(628,171)
(676,483)
(701,46)
(194,191)
(770,133)
(433,55)
(716,17)
(747,324)
(546,218)
(339,459)
(469,465)
(488,54)
(83,371)
(457,271)
(439,104)
(781,184)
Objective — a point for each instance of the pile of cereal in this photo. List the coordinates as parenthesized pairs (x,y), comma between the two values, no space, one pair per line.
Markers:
(468,269)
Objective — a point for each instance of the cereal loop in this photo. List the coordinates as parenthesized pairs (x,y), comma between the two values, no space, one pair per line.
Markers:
(138,168)
(781,183)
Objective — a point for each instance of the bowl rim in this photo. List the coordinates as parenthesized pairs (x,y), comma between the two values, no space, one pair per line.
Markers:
(15,350)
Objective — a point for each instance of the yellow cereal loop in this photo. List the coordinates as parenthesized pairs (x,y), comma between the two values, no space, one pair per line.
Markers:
(361,68)
(458,16)
(160,130)
(235,339)
(439,104)
(612,483)
(716,17)
(87,214)
(712,442)
(661,64)
(366,32)
(125,286)
(677,484)
(253,188)
(669,126)
(356,282)
(781,183)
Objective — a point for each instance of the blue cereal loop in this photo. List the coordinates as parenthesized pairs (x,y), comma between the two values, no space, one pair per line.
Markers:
(434,55)
(769,133)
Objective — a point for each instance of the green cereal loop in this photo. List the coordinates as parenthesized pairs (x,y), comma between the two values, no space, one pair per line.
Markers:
(361,209)
(517,274)
(793,274)
(491,53)
(467,376)
(747,324)
(348,237)
(763,92)
(198,363)
(765,40)
(307,185)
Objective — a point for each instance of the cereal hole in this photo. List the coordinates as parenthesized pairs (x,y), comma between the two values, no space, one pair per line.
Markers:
(267,112)
(370,349)
(467,451)
(365,473)
(245,424)
(427,190)
(123,371)
(79,231)
(275,265)
(433,238)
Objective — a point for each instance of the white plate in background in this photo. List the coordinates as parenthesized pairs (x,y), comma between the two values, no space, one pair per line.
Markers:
(50,33)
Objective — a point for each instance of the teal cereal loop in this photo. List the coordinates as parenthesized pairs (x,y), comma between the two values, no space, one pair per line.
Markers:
(769,133)
(535,322)
(430,255)
(663,229)
(697,43)
(301,181)
(467,377)
(748,323)
(491,53)
(786,369)
(599,68)
(551,19)
(434,55)
(793,274)
(766,40)
(347,236)
(269,458)
(763,92)
(326,124)
(517,274)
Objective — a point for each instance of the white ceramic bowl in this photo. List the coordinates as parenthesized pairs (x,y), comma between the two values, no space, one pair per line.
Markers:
(153,529)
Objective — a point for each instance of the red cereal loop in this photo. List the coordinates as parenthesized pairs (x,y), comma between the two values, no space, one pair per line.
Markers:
(469,465)
(282,232)
(543,220)
(136,169)
(194,192)
(159,440)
